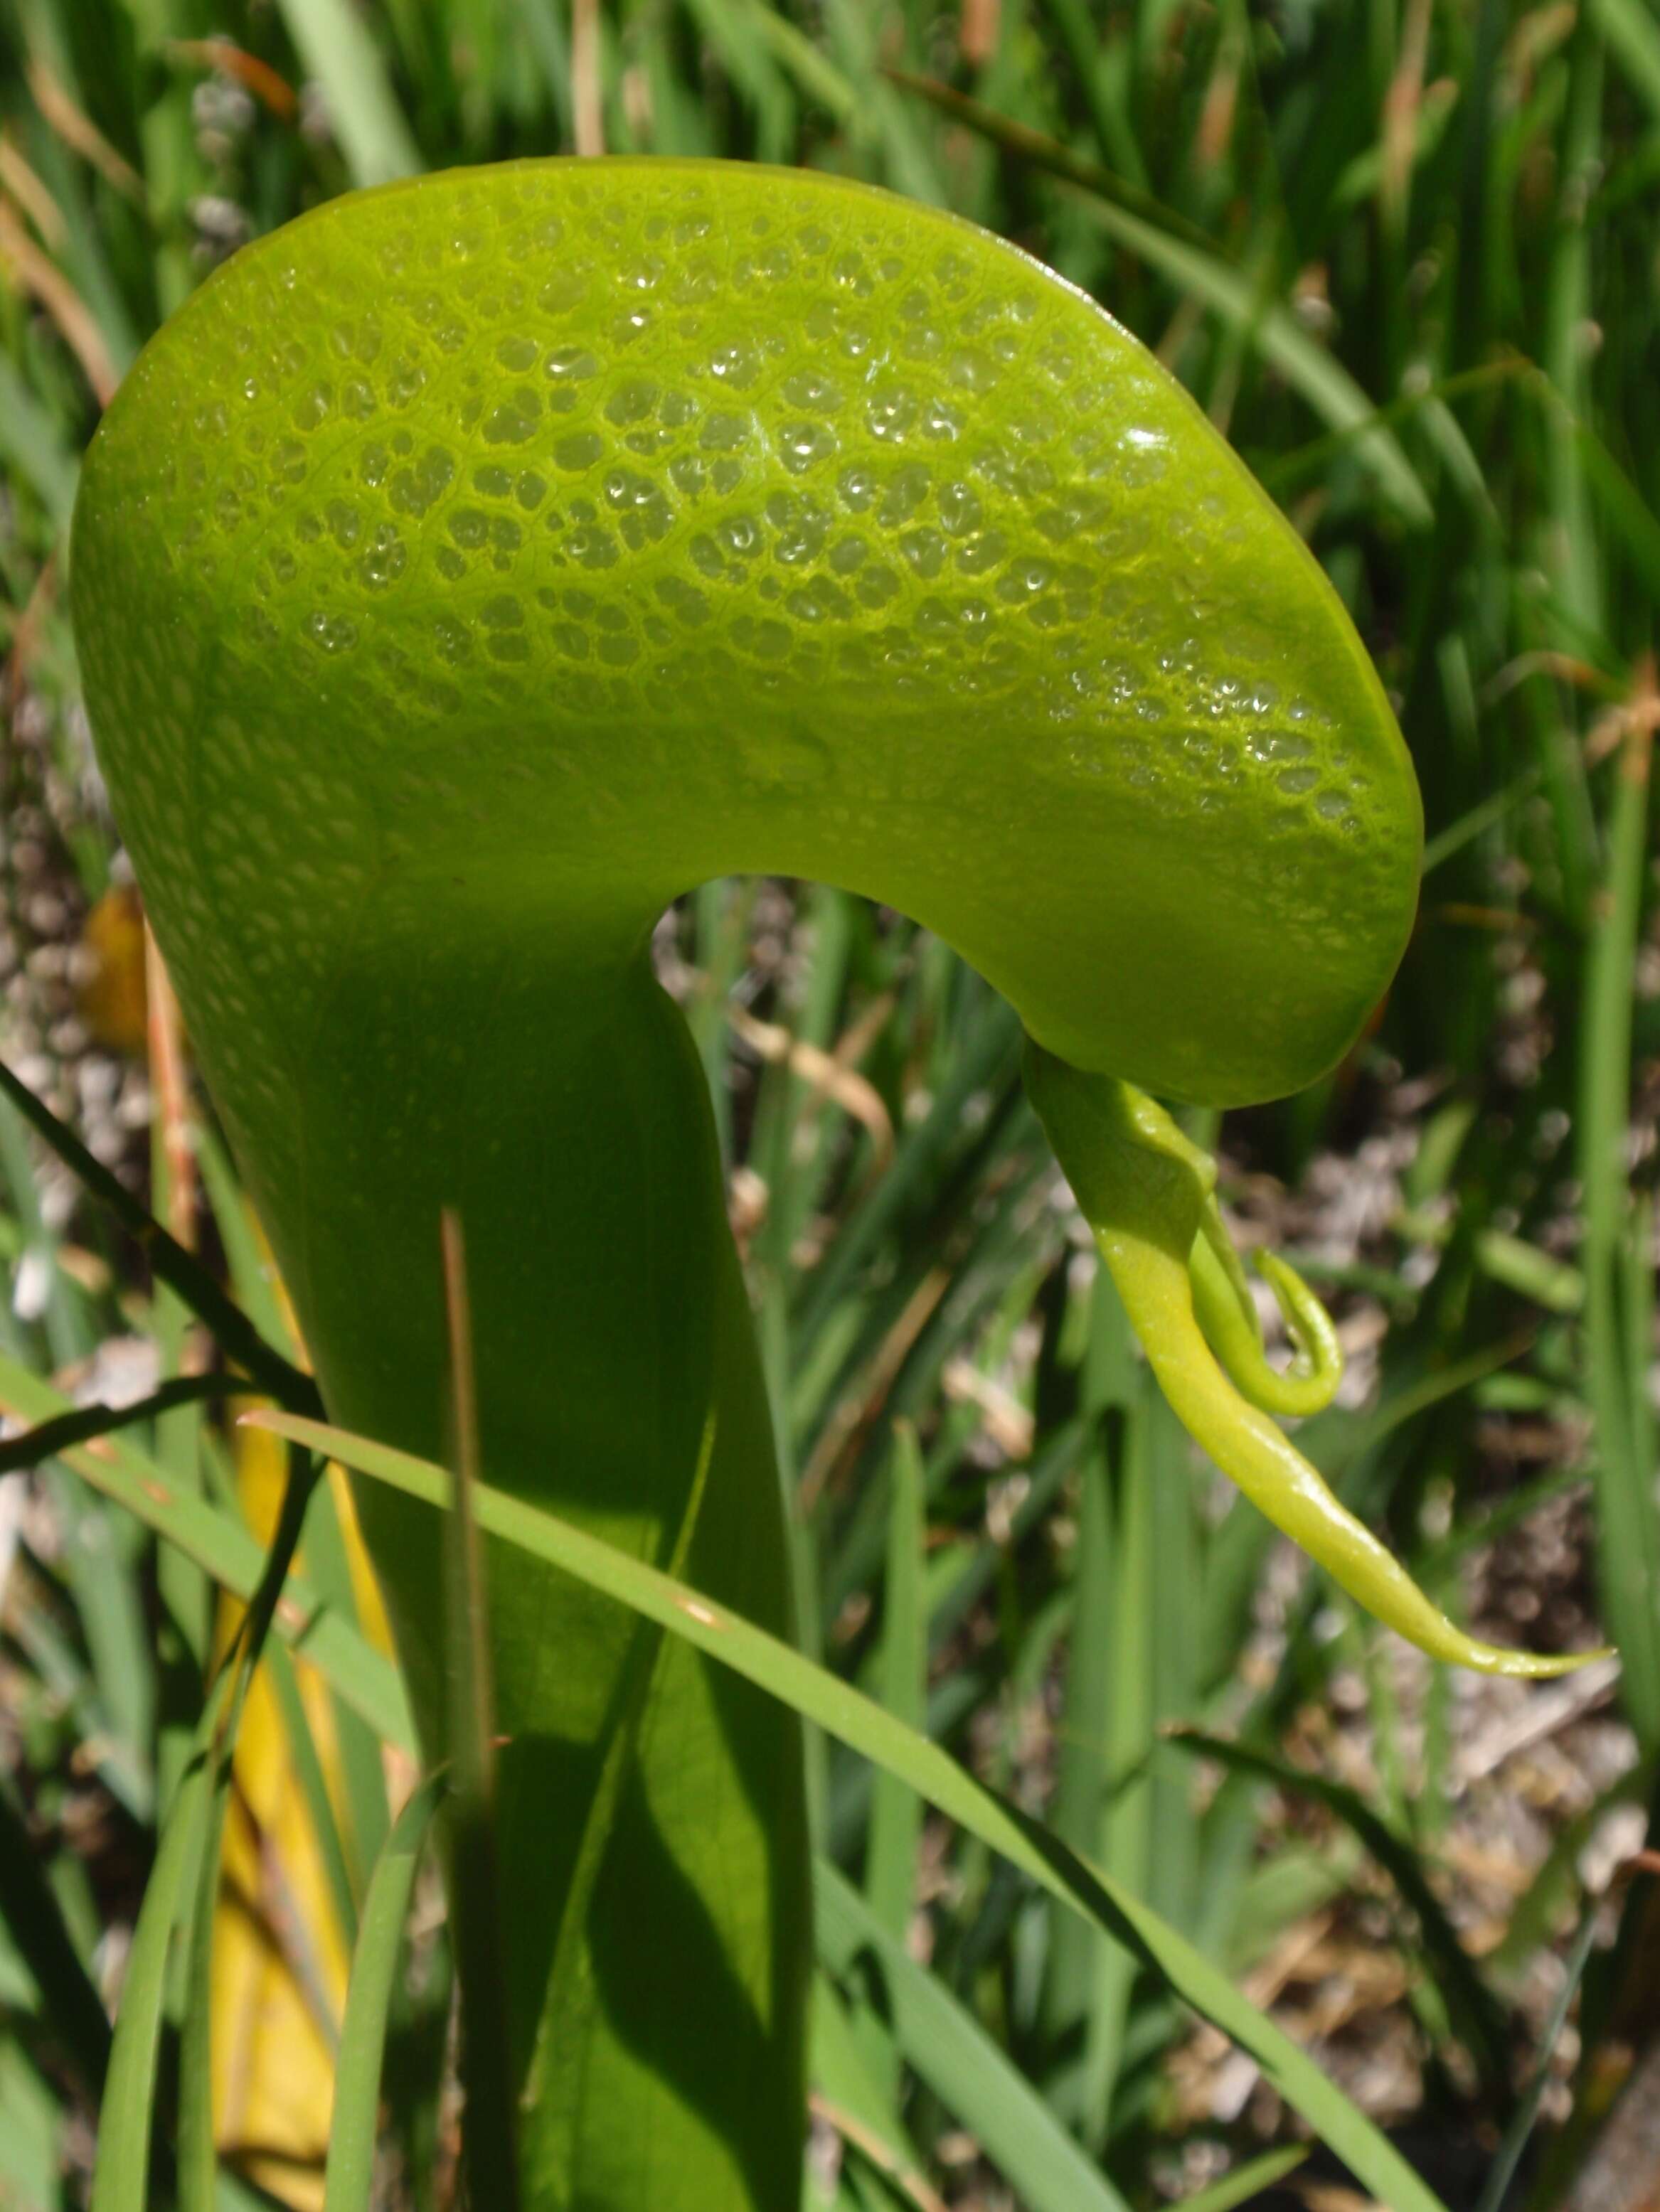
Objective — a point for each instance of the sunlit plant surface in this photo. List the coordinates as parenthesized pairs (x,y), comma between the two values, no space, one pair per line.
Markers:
(1029,1561)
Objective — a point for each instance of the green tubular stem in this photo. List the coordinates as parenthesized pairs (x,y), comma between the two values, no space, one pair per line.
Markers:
(467,571)
(1143,1188)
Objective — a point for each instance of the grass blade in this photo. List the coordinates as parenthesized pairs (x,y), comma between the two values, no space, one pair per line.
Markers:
(896,1826)
(1200,273)
(31,444)
(1527,2111)
(35,1921)
(865,1728)
(120,2180)
(949,2051)
(181,1270)
(334,43)
(54,1438)
(1633,40)
(1245,2181)
(1628,1520)
(350,2175)
(1474,2008)
(856,2107)
(222,1546)
(490,2135)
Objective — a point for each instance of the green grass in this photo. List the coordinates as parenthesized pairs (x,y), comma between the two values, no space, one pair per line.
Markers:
(1404,258)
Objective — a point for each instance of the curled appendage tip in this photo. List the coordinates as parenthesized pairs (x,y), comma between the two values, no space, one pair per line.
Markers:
(1146,1194)
(1222,1302)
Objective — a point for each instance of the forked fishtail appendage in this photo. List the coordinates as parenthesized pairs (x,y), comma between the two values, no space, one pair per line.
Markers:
(1222,1303)
(1147,1193)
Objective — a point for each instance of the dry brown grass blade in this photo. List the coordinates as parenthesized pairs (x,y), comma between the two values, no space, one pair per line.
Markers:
(827,1074)
(979,30)
(18,179)
(587,92)
(1401,105)
(79,132)
(171,1081)
(905,2178)
(855,1413)
(245,68)
(33,272)
(1631,724)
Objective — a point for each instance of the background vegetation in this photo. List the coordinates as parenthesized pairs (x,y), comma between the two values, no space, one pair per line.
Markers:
(1404,253)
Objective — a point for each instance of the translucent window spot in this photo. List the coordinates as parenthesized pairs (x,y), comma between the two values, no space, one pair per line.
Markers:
(802,526)
(740,535)
(591,547)
(645,516)
(469,527)
(312,407)
(925,550)
(737,364)
(513,421)
(724,432)
(905,495)
(857,488)
(385,561)
(960,511)
(1024,580)
(818,601)
(634,402)
(406,383)
(579,452)
(768,639)
(814,394)
(890,410)
(565,290)
(684,599)
(804,446)
(330,633)
(570,365)
(416,489)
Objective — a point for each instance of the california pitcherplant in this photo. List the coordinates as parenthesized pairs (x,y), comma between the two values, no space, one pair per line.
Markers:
(474,566)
